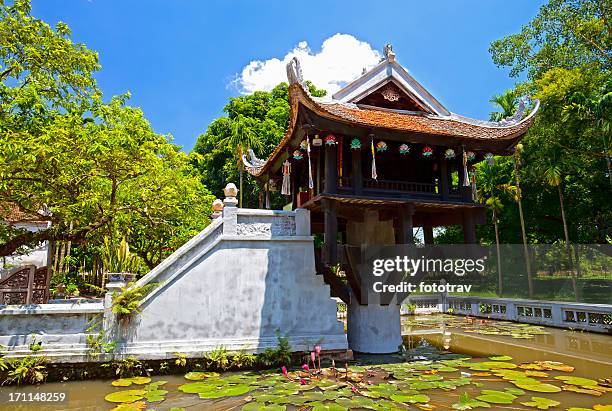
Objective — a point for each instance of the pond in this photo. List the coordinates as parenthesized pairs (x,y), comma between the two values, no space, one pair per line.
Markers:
(448,363)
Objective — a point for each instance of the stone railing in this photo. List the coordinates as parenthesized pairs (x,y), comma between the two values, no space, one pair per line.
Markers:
(588,317)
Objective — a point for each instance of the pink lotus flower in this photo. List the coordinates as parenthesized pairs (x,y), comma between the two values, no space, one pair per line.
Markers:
(284,370)
(302,381)
(312,357)
(305,367)
(317,349)
(354,389)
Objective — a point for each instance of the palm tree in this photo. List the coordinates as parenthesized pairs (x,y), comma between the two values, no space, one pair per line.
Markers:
(240,140)
(553,176)
(517,161)
(488,191)
(506,102)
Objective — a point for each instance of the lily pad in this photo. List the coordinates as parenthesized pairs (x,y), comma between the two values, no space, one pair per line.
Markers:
(328,407)
(258,406)
(501,358)
(531,384)
(126,382)
(492,365)
(198,376)
(579,390)
(156,395)
(133,406)
(467,403)
(412,399)
(125,396)
(496,397)
(541,403)
(583,382)
(226,391)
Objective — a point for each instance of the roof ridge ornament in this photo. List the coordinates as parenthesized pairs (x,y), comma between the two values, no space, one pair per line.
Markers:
(255,162)
(294,72)
(388,52)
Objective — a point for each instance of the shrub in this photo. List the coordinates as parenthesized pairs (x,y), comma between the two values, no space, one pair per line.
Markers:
(217,359)
(29,370)
(128,299)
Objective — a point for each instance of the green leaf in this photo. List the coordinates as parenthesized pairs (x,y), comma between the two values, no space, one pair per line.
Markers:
(541,403)
(125,396)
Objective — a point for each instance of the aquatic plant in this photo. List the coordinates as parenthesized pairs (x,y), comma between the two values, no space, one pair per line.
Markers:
(217,359)
(241,359)
(29,370)
(281,355)
(181,359)
(128,366)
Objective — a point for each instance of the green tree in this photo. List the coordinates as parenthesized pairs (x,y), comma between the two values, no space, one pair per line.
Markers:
(96,168)
(507,103)
(257,121)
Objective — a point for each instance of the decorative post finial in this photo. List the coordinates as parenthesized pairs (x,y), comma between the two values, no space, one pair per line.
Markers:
(388,52)
(230,192)
(217,207)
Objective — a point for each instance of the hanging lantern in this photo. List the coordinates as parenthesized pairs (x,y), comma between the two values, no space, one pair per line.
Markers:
(449,154)
(490,159)
(404,149)
(471,156)
(304,145)
(427,152)
(381,147)
(298,155)
(316,141)
(355,144)
(330,140)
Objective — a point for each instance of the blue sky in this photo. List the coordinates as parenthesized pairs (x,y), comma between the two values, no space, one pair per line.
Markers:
(180,59)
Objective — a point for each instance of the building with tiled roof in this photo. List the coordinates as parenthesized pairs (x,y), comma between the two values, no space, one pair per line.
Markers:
(380,158)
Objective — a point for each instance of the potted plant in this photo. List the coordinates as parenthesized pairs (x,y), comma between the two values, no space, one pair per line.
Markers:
(119,263)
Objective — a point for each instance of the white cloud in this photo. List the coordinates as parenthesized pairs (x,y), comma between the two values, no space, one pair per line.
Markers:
(341,60)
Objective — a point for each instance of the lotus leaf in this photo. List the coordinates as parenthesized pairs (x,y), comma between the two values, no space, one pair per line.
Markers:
(156,395)
(126,382)
(226,391)
(258,406)
(492,365)
(531,384)
(600,407)
(496,397)
(125,396)
(583,382)
(501,358)
(541,403)
(328,407)
(412,399)
(467,403)
(134,406)
(355,402)
(198,376)
(579,390)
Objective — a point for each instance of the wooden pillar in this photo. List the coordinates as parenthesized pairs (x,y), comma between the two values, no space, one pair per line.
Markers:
(444,186)
(469,227)
(330,223)
(357,172)
(405,234)
(331,169)
(428,234)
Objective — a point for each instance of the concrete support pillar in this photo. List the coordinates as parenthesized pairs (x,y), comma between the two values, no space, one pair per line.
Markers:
(405,234)
(230,210)
(302,222)
(374,328)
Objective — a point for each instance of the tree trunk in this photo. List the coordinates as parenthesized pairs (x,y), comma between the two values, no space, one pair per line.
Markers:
(525,250)
(240,203)
(568,247)
(500,287)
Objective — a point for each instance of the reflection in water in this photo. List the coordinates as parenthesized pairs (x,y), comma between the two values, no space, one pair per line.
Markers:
(590,353)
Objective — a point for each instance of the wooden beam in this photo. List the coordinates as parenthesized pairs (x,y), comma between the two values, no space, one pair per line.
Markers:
(469,228)
(331,169)
(428,234)
(330,222)
(357,172)
(404,232)
(444,186)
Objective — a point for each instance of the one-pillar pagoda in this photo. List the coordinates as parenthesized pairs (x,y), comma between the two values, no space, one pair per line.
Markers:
(379,159)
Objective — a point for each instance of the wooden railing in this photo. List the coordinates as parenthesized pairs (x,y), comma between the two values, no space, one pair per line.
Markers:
(395,185)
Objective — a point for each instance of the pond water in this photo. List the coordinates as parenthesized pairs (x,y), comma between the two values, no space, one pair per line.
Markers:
(448,363)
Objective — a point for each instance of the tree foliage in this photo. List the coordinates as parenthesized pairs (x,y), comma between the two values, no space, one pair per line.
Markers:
(98,168)
(260,119)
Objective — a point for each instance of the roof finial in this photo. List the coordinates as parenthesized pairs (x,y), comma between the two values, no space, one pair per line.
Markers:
(388,52)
